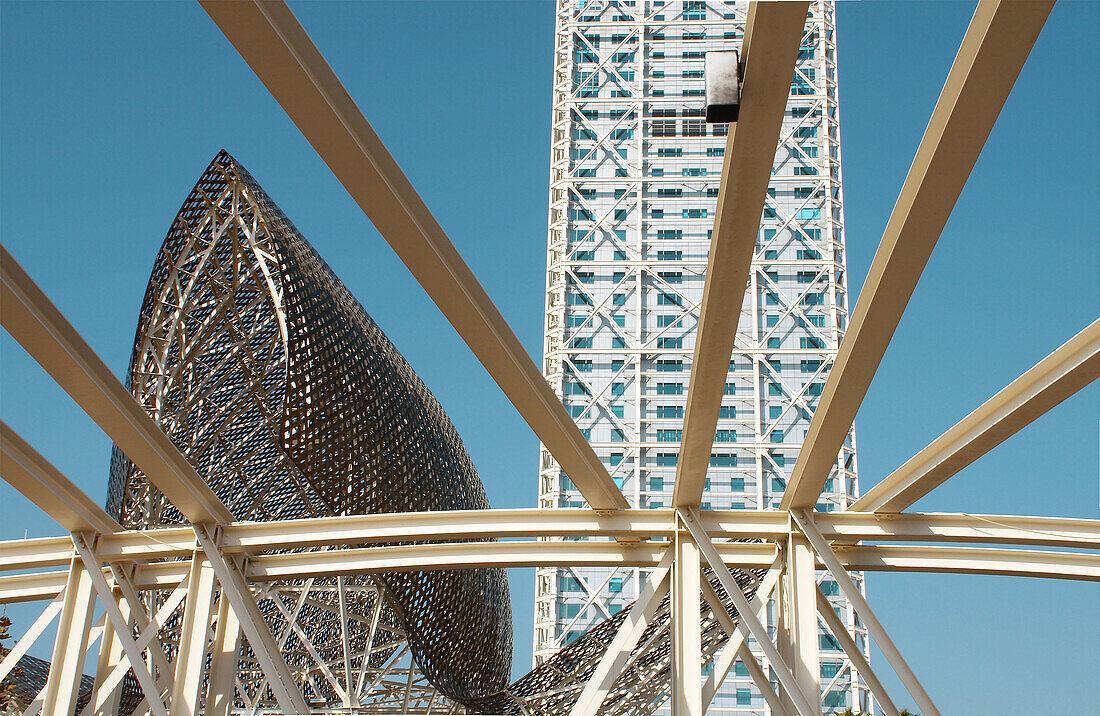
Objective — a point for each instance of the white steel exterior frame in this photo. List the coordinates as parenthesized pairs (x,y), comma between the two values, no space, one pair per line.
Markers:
(116,567)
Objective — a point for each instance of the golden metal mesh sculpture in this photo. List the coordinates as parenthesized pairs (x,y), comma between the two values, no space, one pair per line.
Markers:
(291,402)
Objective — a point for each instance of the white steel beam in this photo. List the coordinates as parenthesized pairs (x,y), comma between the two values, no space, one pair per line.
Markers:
(1082,566)
(224,660)
(887,558)
(283,684)
(120,626)
(798,621)
(281,53)
(748,623)
(66,666)
(631,525)
(992,53)
(687,635)
(626,638)
(854,654)
(110,656)
(33,632)
(875,629)
(1061,374)
(32,320)
(735,645)
(773,32)
(44,485)
(191,653)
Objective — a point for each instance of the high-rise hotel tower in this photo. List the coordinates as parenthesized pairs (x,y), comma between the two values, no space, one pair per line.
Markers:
(634,181)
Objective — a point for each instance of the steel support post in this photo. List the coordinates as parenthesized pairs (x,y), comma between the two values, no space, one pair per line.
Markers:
(110,655)
(66,666)
(687,640)
(120,625)
(749,623)
(799,615)
(224,660)
(874,627)
(191,657)
(280,679)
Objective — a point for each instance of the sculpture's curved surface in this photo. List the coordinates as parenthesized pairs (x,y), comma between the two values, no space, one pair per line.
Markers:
(291,402)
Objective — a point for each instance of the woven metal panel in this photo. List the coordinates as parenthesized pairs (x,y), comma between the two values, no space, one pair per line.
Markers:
(290,401)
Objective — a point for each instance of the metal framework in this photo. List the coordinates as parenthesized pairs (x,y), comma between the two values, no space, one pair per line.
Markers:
(332,604)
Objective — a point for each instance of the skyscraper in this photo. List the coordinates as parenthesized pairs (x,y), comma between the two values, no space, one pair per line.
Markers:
(634,180)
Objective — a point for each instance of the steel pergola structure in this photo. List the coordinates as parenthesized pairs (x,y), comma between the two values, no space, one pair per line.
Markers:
(690,551)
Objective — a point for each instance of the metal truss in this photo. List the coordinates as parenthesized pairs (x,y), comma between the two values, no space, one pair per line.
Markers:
(217,615)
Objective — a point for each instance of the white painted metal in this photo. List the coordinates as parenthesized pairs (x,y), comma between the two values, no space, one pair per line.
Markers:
(732,650)
(223,660)
(613,660)
(194,634)
(995,47)
(687,645)
(798,614)
(120,625)
(878,632)
(29,316)
(854,654)
(992,53)
(1061,374)
(282,682)
(70,643)
(749,623)
(773,33)
(285,59)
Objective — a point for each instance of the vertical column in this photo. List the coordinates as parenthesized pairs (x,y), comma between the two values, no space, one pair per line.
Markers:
(190,661)
(224,661)
(800,611)
(110,654)
(687,677)
(66,667)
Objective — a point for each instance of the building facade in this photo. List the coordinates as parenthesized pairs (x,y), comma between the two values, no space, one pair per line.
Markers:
(634,181)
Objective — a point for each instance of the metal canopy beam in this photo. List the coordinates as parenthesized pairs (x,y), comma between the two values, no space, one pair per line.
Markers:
(630,525)
(1058,376)
(32,320)
(992,53)
(773,32)
(44,485)
(281,53)
(886,558)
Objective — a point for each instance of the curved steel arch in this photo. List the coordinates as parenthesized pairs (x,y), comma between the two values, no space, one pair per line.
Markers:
(291,402)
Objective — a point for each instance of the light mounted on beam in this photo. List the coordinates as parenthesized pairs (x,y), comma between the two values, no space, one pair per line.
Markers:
(723,77)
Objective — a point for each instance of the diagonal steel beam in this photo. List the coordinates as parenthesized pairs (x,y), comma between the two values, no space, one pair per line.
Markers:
(1061,374)
(32,320)
(748,624)
(855,654)
(281,53)
(119,625)
(773,33)
(279,677)
(875,629)
(626,638)
(992,53)
(44,485)
(735,646)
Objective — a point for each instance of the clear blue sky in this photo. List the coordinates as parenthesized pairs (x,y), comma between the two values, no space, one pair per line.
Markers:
(109,112)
